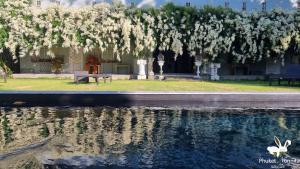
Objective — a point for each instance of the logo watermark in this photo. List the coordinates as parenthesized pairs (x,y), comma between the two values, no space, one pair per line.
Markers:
(279,162)
(279,153)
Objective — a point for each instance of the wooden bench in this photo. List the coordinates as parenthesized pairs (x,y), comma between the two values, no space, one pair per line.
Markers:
(290,73)
(84,74)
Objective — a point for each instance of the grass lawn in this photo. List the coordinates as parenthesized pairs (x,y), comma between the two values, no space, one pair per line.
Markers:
(145,85)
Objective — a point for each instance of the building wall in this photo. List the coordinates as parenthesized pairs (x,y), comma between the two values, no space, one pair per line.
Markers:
(243,69)
(75,61)
(28,66)
(277,67)
(124,66)
(273,67)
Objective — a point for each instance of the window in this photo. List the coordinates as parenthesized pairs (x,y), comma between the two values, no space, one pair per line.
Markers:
(38,3)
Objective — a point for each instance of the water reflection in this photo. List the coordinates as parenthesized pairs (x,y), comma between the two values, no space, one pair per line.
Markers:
(143,138)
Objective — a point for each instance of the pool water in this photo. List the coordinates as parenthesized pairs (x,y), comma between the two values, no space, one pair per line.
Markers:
(104,137)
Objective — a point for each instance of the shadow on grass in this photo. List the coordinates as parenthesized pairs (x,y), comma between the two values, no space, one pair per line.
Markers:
(259,83)
(256,83)
(284,84)
(83,83)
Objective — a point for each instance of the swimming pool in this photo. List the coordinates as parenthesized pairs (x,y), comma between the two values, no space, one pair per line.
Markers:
(137,137)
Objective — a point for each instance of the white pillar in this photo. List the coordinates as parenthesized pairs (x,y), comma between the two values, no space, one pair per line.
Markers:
(214,71)
(150,68)
(204,70)
(142,69)
(161,64)
(198,64)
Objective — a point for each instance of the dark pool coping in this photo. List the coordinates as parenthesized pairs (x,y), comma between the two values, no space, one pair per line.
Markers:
(147,92)
(153,99)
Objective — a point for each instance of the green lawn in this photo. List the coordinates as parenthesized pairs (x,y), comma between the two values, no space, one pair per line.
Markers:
(146,85)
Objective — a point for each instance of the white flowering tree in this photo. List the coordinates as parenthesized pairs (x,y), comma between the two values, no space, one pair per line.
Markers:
(3,34)
(213,33)
(3,29)
(170,29)
(263,36)
(102,26)
(296,38)
(18,23)
(143,37)
(277,30)
(3,39)
(245,39)
(209,38)
(99,26)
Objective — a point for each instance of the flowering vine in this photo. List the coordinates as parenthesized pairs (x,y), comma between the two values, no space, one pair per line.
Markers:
(213,32)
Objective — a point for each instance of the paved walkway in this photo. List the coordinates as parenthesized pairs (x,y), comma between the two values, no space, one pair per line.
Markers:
(157,99)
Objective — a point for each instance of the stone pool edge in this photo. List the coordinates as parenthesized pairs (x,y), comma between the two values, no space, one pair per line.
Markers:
(151,99)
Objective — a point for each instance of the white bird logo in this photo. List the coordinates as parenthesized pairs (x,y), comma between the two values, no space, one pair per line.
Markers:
(280,149)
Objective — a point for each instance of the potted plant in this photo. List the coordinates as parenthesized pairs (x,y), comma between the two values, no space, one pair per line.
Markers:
(57,65)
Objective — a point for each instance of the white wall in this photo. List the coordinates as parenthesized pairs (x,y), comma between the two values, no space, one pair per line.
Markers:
(75,61)
(27,66)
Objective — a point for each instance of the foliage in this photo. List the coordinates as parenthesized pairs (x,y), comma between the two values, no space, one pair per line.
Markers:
(4,67)
(296,38)
(263,35)
(44,131)
(6,130)
(209,37)
(3,35)
(3,30)
(81,126)
(59,129)
(212,32)
(57,65)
